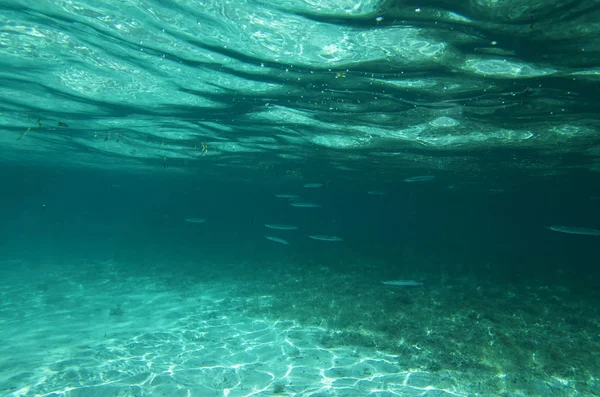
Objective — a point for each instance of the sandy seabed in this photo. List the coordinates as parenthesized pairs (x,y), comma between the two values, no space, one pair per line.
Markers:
(95,329)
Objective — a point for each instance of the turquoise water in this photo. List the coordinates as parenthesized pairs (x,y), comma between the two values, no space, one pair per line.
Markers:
(310,199)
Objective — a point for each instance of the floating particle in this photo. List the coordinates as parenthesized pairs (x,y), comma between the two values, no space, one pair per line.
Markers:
(23,134)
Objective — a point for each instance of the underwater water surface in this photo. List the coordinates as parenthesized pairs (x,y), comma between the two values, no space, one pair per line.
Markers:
(309,198)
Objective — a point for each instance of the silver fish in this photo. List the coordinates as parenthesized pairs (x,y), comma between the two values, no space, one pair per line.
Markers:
(195,220)
(575,230)
(305,205)
(403,283)
(326,238)
(280,227)
(423,178)
(277,240)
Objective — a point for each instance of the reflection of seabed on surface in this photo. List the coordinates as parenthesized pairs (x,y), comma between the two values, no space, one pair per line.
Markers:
(136,338)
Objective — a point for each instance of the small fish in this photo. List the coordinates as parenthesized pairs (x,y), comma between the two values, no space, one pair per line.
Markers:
(280,227)
(422,178)
(277,240)
(326,238)
(312,185)
(61,124)
(287,196)
(195,220)
(376,193)
(403,283)
(575,230)
(305,205)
